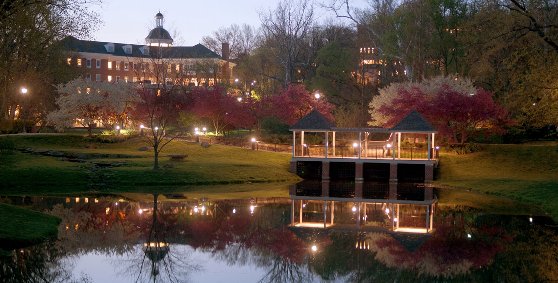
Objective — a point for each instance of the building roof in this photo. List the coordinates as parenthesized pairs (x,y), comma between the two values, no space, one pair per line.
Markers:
(159,34)
(313,121)
(414,122)
(77,45)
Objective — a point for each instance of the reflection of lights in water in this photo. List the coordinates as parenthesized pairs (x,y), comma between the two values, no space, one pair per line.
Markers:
(387,210)
(354,209)
(469,236)
(314,248)
(234,210)
(531,219)
(252,208)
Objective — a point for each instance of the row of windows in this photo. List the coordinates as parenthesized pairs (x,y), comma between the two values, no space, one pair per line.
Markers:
(126,79)
(126,66)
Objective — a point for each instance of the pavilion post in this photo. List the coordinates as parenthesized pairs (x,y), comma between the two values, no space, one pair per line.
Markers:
(359,144)
(325,213)
(300,213)
(333,144)
(294,143)
(399,145)
(302,142)
(326,143)
(430,148)
(332,208)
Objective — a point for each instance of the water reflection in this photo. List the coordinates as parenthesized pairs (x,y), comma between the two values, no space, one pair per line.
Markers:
(323,232)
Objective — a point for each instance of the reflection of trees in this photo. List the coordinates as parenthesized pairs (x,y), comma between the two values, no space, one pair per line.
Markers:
(157,260)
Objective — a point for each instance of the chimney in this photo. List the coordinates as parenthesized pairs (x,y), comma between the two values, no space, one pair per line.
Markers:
(225,51)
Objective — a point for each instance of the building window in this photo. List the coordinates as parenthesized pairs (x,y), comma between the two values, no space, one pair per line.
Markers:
(69,60)
(79,62)
(87,77)
(117,79)
(88,63)
(98,63)
(125,66)
(126,78)
(109,65)
(135,79)
(109,79)
(98,77)
(117,65)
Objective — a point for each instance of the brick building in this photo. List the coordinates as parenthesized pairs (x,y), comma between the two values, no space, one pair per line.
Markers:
(156,62)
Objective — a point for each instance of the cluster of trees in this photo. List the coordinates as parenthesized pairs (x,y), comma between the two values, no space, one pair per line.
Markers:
(506,47)
(30,55)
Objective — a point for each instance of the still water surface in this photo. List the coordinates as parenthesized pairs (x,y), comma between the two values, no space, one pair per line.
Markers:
(389,233)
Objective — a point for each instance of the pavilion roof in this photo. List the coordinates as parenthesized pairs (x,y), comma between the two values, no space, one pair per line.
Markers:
(414,123)
(314,121)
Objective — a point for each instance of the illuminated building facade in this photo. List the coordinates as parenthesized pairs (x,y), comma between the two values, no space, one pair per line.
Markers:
(156,62)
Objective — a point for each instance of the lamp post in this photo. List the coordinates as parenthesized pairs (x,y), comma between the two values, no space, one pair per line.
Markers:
(24,91)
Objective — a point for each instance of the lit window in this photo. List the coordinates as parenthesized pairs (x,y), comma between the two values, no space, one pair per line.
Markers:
(88,63)
(125,66)
(79,62)
(109,65)
(109,79)
(98,63)
(126,78)
(69,60)
(117,65)
(98,77)
(135,79)
(177,68)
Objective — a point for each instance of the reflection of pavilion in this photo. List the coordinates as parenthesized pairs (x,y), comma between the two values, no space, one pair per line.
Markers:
(397,207)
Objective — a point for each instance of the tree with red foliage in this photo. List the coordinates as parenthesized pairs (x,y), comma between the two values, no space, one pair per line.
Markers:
(294,102)
(455,114)
(159,110)
(221,109)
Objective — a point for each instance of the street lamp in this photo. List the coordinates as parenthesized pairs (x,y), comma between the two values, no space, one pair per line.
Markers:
(23,90)
(317,95)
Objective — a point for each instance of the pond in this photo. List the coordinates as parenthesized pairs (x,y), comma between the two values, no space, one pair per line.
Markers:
(395,232)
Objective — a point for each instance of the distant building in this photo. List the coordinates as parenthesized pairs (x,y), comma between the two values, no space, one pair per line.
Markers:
(374,68)
(156,62)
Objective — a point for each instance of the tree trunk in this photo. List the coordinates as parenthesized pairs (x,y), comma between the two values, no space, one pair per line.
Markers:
(89,130)
(155,157)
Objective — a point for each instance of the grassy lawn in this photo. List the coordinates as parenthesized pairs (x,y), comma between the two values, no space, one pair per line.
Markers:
(30,173)
(22,227)
(528,173)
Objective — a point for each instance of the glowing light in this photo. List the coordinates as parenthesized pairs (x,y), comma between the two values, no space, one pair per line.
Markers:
(355,145)
(471,94)
(317,95)
(196,129)
(234,210)
(203,208)
(437,147)
(236,80)
(253,139)
(142,126)
(395,219)
(252,208)
(354,209)
(116,203)
(303,205)
(388,145)
(469,236)
(156,128)
(387,210)
(305,145)
(196,209)
(531,219)
(204,129)
(239,99)
(24,90)
(117,128)
(314,248)
(140,211)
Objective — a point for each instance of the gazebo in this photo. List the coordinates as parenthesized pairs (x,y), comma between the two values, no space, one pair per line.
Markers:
(409,143)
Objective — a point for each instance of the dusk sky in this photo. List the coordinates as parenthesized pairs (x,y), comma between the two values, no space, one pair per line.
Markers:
(129,21)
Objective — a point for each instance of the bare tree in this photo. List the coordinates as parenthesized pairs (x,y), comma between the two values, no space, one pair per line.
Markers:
(286,28)
(241,39)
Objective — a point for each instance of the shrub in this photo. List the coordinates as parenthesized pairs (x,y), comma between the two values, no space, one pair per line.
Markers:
(7,146)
